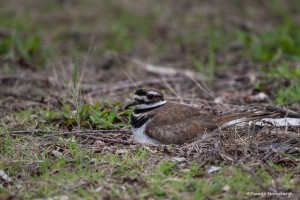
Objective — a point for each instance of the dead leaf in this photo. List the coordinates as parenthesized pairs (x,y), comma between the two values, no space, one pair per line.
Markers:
(259,97)
(213,169)
(226,188)
(178,159)
(56,153)
(4,177)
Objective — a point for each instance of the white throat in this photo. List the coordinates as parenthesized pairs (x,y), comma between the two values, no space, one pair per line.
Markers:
(146,106)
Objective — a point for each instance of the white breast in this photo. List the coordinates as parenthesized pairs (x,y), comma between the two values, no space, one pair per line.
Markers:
(141,137)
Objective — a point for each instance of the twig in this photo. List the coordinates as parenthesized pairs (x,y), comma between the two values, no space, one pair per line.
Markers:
(6,32)
(203,88)
(285,111)
(69,132)
(171,89)
(28,78)
(107,139)
(85,134)
(123,85)
(18,106)
(166,71)
(19,96)
(22,161)
(130,78)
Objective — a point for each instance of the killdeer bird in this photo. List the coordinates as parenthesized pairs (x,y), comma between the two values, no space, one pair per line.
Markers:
(157,121)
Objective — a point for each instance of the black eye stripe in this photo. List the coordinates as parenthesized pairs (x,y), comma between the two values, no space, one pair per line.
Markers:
(140,101)
(147,96)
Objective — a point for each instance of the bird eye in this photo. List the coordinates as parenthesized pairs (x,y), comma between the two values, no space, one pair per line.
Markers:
(150,96)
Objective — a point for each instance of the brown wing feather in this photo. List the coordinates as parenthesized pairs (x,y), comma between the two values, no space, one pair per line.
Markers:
(182,123)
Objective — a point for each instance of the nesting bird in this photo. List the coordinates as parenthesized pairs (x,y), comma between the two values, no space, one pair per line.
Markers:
(156,121)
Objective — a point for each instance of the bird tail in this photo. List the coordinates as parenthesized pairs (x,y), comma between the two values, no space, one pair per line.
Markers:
(230,119)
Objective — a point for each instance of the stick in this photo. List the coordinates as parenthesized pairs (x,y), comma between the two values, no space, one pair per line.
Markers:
(85,134)
(70,132)
(108,140)
(125,85)
(19,96)
(285,111)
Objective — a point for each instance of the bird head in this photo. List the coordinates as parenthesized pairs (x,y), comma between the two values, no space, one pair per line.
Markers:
(145,98)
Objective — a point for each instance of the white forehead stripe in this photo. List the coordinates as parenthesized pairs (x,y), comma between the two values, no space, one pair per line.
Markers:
(146,106)
(154,93)
(140,97)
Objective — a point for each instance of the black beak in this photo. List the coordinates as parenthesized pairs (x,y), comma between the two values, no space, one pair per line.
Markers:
(134,103)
